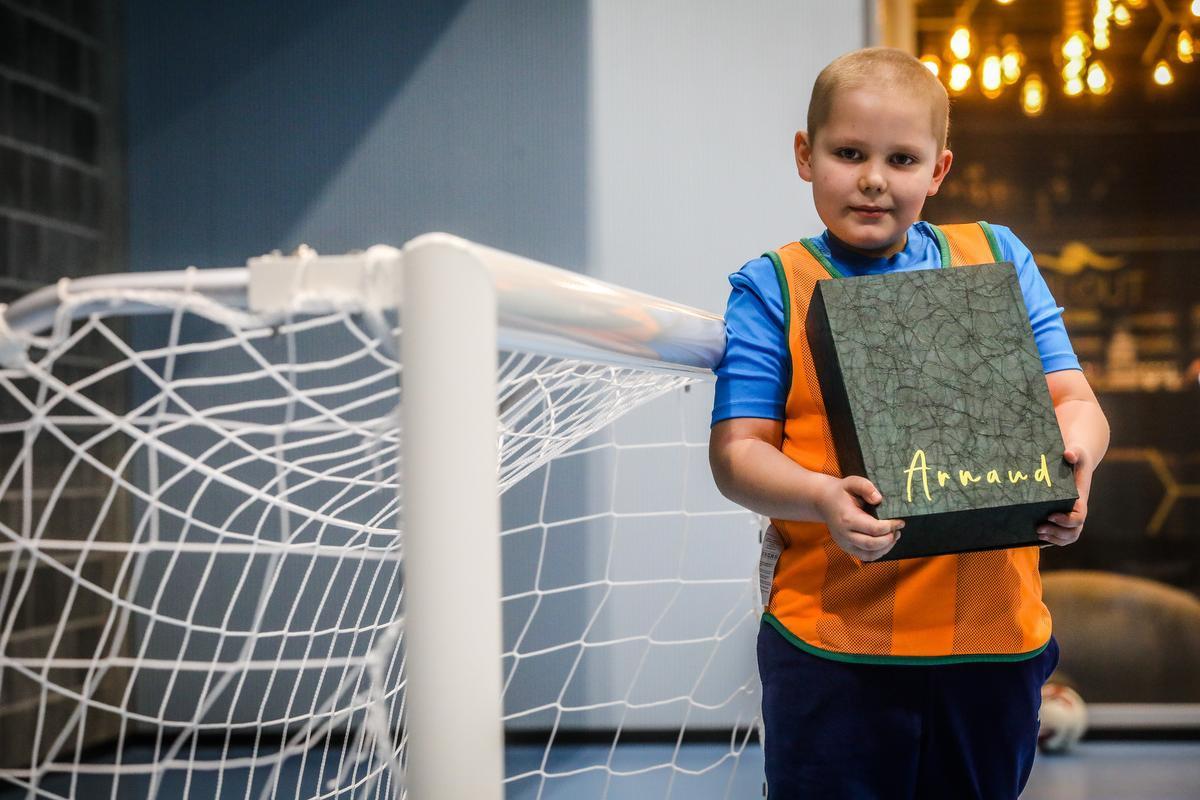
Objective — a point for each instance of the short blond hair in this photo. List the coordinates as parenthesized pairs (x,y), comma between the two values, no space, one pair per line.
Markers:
(876,67)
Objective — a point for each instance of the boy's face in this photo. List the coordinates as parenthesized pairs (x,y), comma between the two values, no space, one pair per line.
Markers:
(872,165)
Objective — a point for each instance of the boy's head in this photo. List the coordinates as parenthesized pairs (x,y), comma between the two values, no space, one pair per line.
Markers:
(875,147)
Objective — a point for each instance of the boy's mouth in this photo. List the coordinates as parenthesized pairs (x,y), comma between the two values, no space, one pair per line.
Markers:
(869,211)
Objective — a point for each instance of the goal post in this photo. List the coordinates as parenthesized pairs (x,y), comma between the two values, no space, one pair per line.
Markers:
(454,293)
(451,523)
(294,475)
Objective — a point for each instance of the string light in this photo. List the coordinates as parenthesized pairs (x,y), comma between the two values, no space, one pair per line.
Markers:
(1004,64)
(1196,8)
(1033,95)
(1185,48)
(1162,73)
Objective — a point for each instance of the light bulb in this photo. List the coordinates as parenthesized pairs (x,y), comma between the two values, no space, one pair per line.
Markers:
(932,63)
(960,42)
(1121,16)
(960,76)
(1010,66)
(1185,47)
(1162,72)
(1033,95)
(1073,87)
(991,80)
(1076,45)
(1099,80)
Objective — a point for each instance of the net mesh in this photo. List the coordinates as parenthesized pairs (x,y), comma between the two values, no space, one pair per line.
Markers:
(201,567)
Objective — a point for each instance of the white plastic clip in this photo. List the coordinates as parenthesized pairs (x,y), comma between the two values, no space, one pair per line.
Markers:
(12,348)
(306,282)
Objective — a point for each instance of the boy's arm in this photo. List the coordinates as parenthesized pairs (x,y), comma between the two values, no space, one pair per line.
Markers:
(752,471)
(1085,435)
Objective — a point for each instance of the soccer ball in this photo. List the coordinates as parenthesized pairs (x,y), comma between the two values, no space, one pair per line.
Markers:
(1063,719)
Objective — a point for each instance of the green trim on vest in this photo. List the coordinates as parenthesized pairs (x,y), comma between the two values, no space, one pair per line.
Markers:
(943,245)
(811,246)
(993,242)
(781,276)
(915,661)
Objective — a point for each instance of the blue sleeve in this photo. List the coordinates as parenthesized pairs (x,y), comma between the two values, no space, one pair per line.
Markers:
(755,373)
(1045,315)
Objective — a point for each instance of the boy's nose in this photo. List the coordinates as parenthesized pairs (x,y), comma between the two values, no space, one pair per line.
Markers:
(871,181)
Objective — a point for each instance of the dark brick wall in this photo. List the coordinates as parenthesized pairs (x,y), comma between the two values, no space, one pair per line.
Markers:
(60,184)
(61,201)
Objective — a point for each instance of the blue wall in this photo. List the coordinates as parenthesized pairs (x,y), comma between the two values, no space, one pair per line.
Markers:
(254,126)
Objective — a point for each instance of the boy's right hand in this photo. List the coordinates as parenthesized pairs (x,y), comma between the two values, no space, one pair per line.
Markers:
(855,531)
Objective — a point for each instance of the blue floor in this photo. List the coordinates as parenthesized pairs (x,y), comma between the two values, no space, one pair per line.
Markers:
(1119,771)
(1094,771)
(293,781)
(637,772)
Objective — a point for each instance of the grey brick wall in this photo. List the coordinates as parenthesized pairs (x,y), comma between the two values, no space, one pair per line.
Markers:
(60,194)
(61,202)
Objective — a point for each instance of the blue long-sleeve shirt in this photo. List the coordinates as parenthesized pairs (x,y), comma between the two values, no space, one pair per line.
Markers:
(753,378)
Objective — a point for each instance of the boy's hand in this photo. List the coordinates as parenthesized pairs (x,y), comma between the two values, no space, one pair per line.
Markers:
(1062,529)
(855,531)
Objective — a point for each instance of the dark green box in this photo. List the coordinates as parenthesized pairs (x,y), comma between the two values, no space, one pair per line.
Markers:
(935,392)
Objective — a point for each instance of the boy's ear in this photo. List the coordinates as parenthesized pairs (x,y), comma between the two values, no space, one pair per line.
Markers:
(803,149)
(940,168)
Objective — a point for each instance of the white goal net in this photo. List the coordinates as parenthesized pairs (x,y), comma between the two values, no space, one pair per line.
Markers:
(203,588)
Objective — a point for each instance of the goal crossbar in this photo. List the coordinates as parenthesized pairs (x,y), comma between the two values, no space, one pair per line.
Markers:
(539,308)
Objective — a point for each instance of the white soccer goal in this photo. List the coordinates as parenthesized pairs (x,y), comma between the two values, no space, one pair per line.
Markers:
(343,526)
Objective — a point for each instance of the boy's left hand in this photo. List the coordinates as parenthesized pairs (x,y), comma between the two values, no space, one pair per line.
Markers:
(1061,529)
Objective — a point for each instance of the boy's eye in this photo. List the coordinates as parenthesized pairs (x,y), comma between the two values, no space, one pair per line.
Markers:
(903,160)
(848,153)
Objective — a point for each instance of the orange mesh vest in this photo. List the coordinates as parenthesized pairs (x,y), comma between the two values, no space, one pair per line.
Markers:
(975,606)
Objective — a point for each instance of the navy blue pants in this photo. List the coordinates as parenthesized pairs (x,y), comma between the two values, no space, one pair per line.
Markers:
(838,730)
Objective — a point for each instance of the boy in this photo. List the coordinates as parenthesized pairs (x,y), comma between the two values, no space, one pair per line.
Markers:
(915,678)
